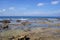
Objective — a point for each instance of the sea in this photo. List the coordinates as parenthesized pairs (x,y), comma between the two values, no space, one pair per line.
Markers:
(29,16)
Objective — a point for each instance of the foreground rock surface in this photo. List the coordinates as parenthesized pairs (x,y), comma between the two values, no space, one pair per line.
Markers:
(35,34)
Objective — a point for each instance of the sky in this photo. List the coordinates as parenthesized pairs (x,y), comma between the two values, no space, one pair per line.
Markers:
(29,7)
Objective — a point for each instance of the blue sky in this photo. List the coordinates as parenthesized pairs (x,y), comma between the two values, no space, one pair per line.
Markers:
(29,7)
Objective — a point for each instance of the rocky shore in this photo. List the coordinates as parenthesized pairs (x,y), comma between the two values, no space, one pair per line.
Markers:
(28,30)
(35,34)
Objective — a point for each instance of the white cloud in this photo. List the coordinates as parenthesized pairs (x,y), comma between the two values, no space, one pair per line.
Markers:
(12,8)
(54,2)
(3,10)
(40,4)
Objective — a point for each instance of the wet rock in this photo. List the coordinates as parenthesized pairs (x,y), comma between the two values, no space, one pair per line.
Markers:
(6,21)
(26,23)
(5,27)
(18,20)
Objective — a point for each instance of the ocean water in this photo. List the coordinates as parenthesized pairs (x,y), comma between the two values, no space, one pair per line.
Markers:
(29,16)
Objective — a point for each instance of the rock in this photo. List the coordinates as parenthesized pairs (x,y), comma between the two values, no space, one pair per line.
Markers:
(6,21)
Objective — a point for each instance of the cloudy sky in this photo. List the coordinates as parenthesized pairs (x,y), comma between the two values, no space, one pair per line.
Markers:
(29,7)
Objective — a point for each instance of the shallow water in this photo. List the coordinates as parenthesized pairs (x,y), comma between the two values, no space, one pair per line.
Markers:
(34,23)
